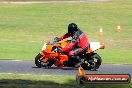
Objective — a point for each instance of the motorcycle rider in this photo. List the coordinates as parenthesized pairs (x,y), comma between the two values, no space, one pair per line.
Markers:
(78,43)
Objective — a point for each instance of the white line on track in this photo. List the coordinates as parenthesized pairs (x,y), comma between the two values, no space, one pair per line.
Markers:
(16,60)
(117,64)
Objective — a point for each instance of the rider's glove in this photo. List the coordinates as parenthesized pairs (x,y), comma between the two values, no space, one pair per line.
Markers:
(57,39)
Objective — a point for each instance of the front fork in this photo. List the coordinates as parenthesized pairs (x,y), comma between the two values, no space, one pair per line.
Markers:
(45,59)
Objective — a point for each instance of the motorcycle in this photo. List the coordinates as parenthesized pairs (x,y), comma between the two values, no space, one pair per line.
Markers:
(50,56)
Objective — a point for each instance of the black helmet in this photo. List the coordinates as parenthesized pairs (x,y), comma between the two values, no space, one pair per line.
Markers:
(72,28)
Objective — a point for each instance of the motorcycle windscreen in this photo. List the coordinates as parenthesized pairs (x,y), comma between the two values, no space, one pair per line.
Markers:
(44,46)
(94,46)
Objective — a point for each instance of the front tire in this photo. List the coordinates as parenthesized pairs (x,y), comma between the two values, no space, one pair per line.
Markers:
(38,60)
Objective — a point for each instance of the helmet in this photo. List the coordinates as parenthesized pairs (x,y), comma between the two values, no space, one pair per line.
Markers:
(72,28)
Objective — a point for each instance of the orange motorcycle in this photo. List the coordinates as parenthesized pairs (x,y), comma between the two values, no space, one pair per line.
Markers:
(50,56)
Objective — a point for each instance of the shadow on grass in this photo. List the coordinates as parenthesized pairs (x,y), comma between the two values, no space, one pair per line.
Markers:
(20,83)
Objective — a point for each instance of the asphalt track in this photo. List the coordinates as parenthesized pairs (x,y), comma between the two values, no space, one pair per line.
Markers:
(28,67)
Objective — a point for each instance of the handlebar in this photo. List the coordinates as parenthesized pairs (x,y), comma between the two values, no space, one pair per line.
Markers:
(52,42)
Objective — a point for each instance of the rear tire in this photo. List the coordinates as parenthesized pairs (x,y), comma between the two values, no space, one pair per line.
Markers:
(96,61)
(93,62)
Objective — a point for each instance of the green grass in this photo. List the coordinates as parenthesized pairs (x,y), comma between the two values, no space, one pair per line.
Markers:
(25,27)
(35,81)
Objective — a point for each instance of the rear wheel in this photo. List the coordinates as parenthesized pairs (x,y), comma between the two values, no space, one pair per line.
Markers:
(93,62)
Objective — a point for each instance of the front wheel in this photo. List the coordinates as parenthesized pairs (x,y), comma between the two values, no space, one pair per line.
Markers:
(38,60)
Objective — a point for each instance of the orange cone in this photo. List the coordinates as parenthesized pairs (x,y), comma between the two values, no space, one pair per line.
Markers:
(101,31)
(81,71)
(118,28)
